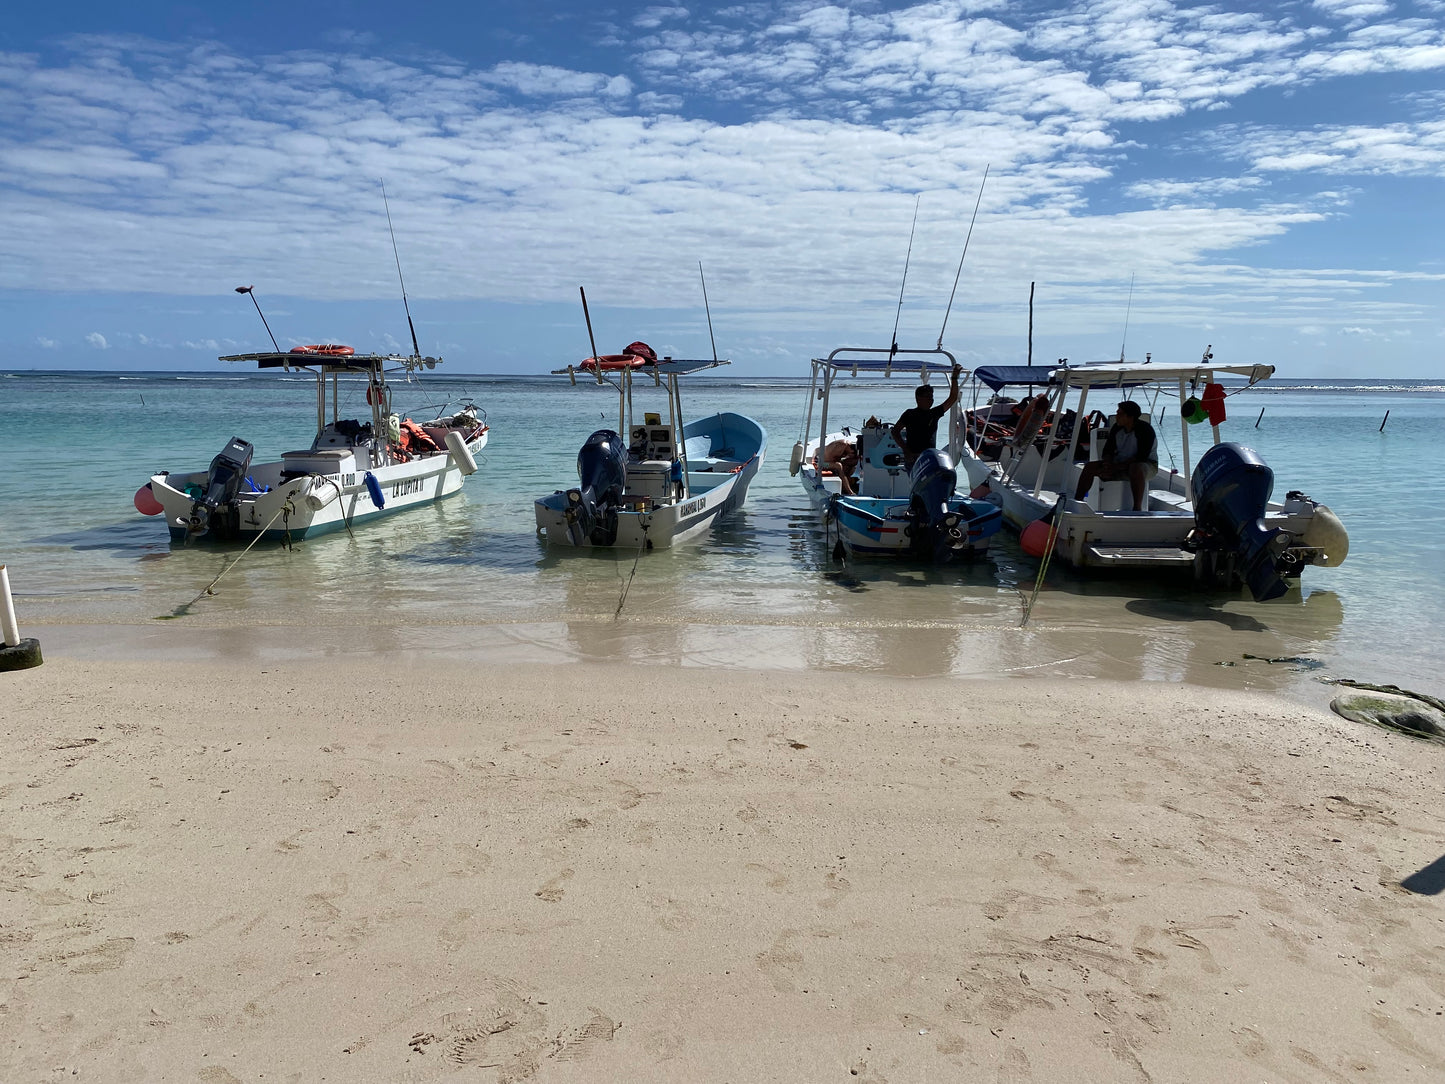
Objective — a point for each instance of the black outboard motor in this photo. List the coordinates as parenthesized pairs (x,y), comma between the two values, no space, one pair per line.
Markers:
(935,531)
(592,507)
(1231,487)
(223,482)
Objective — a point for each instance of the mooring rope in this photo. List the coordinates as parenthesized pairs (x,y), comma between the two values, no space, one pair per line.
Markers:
(1044,564)
(626,587)
(285,509)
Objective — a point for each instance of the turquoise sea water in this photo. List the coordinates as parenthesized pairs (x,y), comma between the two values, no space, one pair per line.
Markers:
(471,576)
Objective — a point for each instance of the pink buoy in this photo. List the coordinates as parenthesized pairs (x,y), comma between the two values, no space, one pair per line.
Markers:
(146,503)
(1034,540)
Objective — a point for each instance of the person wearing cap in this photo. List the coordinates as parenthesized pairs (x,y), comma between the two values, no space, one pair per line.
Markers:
(916,429)
(1130,451)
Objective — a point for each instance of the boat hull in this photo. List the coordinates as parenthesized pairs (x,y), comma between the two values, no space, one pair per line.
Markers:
(660,522)
(881,527)
(284,511)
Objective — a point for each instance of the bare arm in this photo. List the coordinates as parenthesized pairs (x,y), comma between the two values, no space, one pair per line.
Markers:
(942,408)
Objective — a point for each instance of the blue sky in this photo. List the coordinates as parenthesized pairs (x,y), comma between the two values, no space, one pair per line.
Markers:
(1264,178)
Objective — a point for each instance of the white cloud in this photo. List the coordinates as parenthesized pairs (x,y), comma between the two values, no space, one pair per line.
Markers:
(47,344)
(783,146)
(97,340)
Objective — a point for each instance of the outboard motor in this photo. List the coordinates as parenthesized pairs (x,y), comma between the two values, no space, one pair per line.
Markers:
(223,484)
(934,530)
(592,507)
(1231,487)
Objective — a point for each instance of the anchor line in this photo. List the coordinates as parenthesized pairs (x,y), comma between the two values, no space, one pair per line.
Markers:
(1044,564)
(626,587)
(286,509)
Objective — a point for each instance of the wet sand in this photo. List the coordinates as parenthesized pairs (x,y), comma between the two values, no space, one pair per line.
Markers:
(318,863)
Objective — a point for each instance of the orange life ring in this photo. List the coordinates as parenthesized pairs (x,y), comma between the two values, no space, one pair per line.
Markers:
(373,394)
(610,362)
(330,349)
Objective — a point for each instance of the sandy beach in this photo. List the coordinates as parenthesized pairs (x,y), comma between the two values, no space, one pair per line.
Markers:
(322,870)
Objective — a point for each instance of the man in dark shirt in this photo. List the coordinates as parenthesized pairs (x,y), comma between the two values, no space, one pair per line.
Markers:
(916,429)
(1130,451)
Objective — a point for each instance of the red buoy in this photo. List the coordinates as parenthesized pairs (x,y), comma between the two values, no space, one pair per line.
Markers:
(1034,540)
(146,503)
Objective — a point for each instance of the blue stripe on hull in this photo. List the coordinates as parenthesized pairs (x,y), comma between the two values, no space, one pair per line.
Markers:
(316,530)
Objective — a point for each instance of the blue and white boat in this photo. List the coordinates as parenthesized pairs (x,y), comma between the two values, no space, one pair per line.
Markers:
(650,490)
(891,511)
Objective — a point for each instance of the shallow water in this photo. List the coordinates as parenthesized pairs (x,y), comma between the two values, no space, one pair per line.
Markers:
(470,575)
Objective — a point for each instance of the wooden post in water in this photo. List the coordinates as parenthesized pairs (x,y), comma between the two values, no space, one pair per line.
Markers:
(1382,424)
(1260,418)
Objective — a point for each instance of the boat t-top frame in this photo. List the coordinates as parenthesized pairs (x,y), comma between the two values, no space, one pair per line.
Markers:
(374,366)
(1116,376)
(844,362)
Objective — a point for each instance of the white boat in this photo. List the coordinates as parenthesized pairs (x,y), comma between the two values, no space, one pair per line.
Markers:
(892,512)
(353,472)
(651,490)
(1214,518)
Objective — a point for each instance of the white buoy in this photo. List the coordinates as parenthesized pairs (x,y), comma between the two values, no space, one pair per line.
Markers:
(461,454)
(795,464)
(16,653)
(1326,533)
(321,493)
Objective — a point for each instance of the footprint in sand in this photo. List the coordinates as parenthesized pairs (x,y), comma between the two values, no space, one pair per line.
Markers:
(837,886)
(552,891)
(781,962)
(103,957)
(494,1028)
(578,1043)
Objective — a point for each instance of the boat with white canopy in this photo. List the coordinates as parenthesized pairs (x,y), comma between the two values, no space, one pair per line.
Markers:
(1213,517)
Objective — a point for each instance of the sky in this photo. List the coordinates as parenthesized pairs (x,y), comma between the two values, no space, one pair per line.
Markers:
(1161,178)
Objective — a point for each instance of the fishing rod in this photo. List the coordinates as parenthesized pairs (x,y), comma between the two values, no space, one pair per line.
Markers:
(1128,307)
(707,310)
(959,272)
(590,339)
(894,348)
(252,291)
(415,349)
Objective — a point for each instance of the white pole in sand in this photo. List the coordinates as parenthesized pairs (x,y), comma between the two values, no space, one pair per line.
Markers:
(8,625)
(15,653)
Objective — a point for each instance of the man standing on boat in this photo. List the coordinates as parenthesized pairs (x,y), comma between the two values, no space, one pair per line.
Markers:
(916,429)
(1130,451)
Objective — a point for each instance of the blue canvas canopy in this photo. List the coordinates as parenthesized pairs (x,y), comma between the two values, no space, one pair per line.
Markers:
(998,377)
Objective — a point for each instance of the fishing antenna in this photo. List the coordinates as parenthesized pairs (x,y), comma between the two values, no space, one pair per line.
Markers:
(415,349)
(252,291)
(1127,309)
(707,310)
(588,317)
(894,348)
(959,272)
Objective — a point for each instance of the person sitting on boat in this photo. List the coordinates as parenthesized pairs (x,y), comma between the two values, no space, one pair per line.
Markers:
(842,458)
(1130,451)
(916,429)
